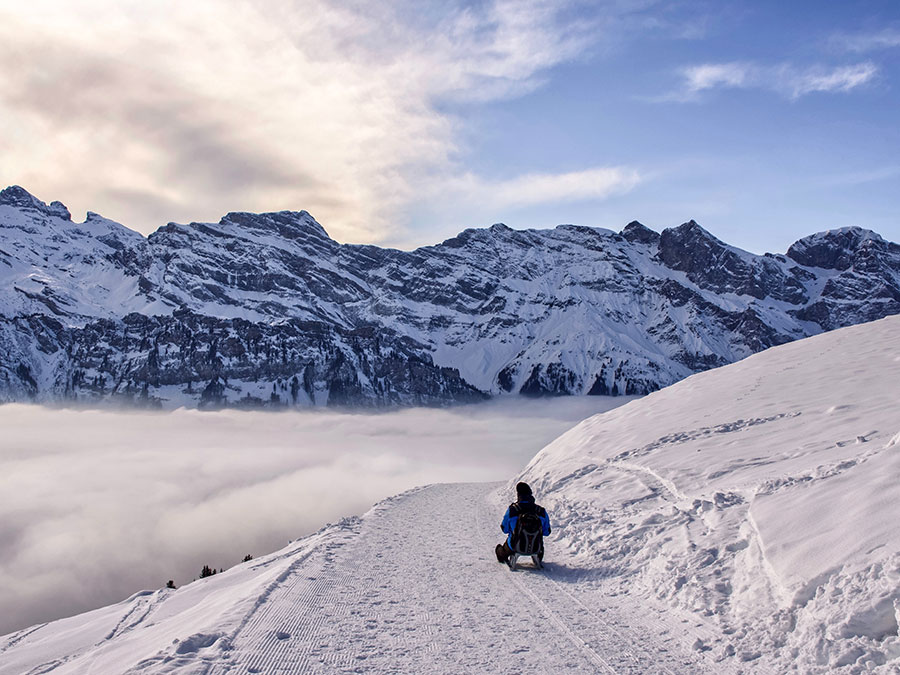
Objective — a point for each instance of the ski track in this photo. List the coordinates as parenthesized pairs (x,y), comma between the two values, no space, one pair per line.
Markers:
(414,587)
(20,635)
(145,603)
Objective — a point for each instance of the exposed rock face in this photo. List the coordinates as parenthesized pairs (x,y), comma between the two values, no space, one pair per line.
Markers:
(268,310)
(212,362)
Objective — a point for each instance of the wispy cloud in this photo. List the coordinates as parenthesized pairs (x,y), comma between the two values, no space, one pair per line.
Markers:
(867,42)
(786,79)
(544,188)
(801,82)
(712,75)
(861,177)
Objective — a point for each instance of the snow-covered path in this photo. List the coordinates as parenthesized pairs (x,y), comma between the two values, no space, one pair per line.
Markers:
(411,587)
(416,590)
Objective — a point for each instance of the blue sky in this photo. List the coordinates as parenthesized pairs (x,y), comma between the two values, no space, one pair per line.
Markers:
(760,163)
(402,123)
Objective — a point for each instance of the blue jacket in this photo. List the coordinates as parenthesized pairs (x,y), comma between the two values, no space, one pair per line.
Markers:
(509,521)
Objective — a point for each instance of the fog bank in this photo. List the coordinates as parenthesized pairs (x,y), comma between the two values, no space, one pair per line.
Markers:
(95,505)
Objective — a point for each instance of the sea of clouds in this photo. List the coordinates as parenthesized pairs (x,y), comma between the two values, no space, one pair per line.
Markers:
(97,504)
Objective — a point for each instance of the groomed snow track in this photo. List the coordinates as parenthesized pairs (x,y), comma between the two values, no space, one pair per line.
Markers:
(411,587)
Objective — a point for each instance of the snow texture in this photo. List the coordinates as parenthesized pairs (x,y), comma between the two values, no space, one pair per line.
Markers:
(743,520)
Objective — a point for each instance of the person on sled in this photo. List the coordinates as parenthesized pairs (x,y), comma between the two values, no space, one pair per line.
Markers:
(526,524)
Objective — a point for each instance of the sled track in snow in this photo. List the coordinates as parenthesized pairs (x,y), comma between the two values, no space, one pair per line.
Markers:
(480,518)
(17,637)
(611,647)
(263,642)
(146,602)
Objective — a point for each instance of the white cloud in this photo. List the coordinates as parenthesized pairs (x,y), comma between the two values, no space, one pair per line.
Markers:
(800,83)
(785,79)
(712,75)
(98,505)
(543,188)
(176,111)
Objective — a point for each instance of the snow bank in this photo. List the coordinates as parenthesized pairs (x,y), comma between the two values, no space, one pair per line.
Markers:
(763,494)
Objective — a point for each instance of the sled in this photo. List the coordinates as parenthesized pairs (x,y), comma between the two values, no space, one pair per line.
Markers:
(514,558)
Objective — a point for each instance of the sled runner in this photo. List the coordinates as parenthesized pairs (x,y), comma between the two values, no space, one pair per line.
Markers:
(535,559)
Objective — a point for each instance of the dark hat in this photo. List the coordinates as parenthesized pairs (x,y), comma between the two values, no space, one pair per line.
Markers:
(523,490)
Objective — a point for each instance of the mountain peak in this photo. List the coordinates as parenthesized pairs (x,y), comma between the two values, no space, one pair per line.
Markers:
(19,197)
(638,232)
(288,224)
(16,195)
(692,229)
(831,249)
(688,247)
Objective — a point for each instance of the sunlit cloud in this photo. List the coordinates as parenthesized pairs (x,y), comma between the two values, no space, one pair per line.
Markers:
(182,111)
(97,505)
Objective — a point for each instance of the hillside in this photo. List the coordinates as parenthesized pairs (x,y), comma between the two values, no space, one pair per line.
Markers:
(743,520)
(762,494)
(266,310)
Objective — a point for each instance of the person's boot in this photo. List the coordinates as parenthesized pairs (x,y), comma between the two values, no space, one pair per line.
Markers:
(501,558)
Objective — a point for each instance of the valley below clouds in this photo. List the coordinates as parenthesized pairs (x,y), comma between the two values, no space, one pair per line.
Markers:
(99,504)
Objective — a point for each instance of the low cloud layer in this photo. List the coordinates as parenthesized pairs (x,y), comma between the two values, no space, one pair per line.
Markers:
(97,505)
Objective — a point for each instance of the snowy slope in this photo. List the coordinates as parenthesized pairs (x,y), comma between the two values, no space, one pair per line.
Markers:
(743,520)
(50,265)
(268,310)
(764,493)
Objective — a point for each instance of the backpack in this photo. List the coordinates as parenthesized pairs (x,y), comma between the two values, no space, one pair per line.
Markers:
(528,535)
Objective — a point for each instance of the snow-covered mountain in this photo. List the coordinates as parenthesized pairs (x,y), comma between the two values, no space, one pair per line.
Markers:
(741,521)
(267,309)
